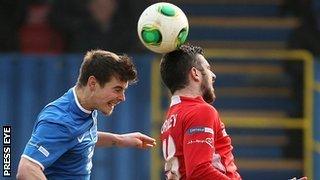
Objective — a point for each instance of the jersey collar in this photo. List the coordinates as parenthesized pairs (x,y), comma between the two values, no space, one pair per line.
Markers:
(176,99)
(78,103)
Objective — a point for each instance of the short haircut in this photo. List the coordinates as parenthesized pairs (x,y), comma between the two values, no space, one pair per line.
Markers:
(175,66)
(104,65)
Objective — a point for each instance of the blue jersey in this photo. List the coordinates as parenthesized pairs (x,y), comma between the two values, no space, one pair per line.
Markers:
(63,139)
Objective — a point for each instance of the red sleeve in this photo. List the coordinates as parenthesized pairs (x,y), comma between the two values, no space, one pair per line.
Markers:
(198,145)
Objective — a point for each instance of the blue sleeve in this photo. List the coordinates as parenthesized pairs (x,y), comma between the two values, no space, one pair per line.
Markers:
(48,142)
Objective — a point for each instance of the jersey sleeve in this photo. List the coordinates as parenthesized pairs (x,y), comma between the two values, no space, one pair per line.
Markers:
(47,143)
(201,160)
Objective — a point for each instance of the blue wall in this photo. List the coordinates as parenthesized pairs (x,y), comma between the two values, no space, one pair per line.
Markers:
(27,83)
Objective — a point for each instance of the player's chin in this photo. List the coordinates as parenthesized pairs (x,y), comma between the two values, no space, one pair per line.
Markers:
(213,96)
(209,96)
(107,111)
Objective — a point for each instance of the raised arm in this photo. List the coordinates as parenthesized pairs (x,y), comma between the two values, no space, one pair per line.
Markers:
(29,170)
(135,139)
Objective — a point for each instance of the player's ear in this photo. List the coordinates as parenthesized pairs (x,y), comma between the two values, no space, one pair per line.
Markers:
(195,74)
(92,83)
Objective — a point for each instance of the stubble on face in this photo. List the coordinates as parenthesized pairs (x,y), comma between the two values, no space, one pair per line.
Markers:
(107,112)
(110,95)
(206,86)
(207,91)
(109,106)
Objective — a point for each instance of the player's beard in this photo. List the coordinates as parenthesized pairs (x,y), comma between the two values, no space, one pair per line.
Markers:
(207,91)
(108,113)
(108,110)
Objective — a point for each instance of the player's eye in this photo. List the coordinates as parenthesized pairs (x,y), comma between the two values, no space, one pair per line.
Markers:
(118,90)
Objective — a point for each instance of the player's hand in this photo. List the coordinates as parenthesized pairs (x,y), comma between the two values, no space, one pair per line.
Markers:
(138,140)
(302,178)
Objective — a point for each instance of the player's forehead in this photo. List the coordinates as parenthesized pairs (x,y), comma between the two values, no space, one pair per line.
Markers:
(116,82)
(203,61)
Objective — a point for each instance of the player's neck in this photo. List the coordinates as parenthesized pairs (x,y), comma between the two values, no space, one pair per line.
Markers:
(83,98)
(188,92)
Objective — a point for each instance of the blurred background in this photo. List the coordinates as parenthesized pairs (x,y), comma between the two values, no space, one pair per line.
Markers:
(265,54)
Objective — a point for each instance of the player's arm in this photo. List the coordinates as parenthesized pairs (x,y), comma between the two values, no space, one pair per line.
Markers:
(29,170)
(136,139)
(198,147)
(47,143)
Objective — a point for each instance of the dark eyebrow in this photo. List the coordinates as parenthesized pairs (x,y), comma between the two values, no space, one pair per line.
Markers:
(209,67)
(119,87)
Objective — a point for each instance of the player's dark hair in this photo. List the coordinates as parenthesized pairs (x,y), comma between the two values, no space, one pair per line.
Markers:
(175,66)
(104,65)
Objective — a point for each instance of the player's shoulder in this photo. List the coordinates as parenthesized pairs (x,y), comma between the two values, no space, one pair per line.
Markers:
(53,112)
(57,112)
(201,111)
(205,108)
(201,115)
(54,118)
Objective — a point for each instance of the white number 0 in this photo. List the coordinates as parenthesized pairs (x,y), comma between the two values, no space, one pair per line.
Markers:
(172,164)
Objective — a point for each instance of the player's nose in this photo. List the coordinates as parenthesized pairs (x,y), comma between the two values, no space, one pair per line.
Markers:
(214,77)
(122,97)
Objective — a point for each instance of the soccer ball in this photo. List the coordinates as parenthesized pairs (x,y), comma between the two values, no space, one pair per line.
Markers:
(163,27)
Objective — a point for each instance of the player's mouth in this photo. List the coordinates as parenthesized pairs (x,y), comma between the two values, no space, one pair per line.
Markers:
(111,104)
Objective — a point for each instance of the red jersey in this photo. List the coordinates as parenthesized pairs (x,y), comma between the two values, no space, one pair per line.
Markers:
(195,144)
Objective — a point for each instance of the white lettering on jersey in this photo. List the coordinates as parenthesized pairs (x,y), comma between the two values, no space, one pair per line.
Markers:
(207,141)
(208,130)
(194,130)
(80,138)
(44,151)
(170,122)
(171,166)
(33,144)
